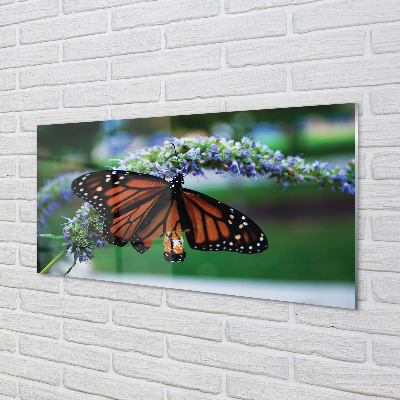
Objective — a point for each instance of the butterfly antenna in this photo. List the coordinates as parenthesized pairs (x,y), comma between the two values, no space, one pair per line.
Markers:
(174,149)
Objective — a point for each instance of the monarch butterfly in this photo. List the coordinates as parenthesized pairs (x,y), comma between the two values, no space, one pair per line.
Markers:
(137,208)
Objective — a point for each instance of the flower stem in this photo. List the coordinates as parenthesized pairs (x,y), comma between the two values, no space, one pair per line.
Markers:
(54,260)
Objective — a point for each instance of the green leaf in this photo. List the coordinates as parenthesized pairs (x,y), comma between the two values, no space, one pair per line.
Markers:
(49,235)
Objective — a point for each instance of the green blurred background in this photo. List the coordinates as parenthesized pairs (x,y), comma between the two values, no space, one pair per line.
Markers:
(311,232)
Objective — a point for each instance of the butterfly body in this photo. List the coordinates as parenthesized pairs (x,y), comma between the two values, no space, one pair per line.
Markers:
(137,208)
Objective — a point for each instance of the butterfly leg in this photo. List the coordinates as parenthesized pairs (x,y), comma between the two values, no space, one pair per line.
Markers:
(173,247)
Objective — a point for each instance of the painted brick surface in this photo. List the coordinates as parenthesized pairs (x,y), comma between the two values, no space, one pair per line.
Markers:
(175,374)
(385,101)
(228,357)
(23,56)
(298,340)
(312,47)
(63,28)
(231,305)
(64,74)
(114,93)
(110,387)
(152,13)
(140,341)
(345,13)
(225,84)
(180,323)
(236,6)
(111,45)
(8,36)
(83,309)
(167,63)
(114,291)
(72,354)
(77,61)
(223,30)
(365,380)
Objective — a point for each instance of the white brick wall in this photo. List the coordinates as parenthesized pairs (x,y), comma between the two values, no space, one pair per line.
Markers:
(70,61)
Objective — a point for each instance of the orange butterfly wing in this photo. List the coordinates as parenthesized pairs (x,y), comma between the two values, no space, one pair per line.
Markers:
(214,226)
(135,207)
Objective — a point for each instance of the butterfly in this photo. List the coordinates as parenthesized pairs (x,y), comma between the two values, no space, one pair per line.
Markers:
(138,208)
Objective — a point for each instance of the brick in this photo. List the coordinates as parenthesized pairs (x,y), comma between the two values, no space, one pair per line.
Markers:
(31,392)
(373,320)
(114,44)
(7,80)
(28,167)
(86,310)
(7,213)
(298,340)
(226,84)
(385,101)
(231,305)
(62,74)
(225,29)
(161,320)
(7,254)
(379,257)
(8,388)
(228,357)
(8,298)
(18,144)
(114,338)
(112,387)
(385,39)
(379,195)
(166,109)
(63,28)
(385,289)
(114,93)
(345,13)
(386,352)
(27,11)
(181,395)
(237,6)
(73,354)
(299,100)
(23,367)
(252,388)
(31,324)
(7,167)
(8,123)
(114,291)
(346,73)
(27,256)
(361,288)
(9,190)
(169,373)
(163,13)
(26,279)
(168,62)
(20,233)
(386,227)
(315,47)
(23,56)
(72,6)
(386,165)
(351,378)
(362,170)
(30,121)
(8,37)
(29,100)
(377,132)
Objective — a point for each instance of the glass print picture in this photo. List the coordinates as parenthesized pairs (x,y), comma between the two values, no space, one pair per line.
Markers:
(258,203)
